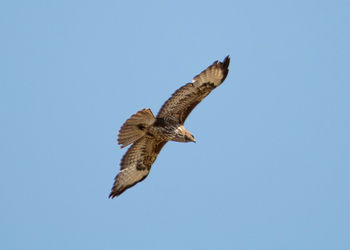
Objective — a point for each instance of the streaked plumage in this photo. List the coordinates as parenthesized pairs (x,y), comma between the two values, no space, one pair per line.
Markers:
(149,134)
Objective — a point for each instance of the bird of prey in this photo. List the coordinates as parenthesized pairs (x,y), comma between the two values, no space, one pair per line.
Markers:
(148,134)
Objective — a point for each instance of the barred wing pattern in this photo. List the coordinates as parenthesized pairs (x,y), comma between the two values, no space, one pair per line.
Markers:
(136,164)
(186,98)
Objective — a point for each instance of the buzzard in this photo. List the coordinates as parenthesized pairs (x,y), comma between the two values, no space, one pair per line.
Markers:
(148,134)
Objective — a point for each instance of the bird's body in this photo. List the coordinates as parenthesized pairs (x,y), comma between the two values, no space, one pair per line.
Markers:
(169,130)
(148,134)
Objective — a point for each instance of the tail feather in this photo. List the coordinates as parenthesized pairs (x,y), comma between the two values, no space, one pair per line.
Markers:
(135,127)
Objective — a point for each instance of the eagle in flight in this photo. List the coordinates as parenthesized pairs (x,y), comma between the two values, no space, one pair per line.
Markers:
(148,134)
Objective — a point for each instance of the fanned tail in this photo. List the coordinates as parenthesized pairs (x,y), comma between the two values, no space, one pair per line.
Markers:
(135,127)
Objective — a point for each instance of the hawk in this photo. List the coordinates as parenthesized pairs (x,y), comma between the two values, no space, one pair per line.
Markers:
(148,134)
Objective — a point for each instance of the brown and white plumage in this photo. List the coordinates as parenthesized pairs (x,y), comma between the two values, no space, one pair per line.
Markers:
(128,134)
(186,98)
(136,163)
(149,134)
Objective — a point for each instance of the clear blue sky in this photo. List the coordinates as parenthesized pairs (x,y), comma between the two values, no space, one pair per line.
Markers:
(271,166)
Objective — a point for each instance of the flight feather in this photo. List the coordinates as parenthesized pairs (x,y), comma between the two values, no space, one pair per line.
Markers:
(186,98)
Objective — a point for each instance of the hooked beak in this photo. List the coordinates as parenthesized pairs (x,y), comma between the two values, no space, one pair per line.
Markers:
(194,140)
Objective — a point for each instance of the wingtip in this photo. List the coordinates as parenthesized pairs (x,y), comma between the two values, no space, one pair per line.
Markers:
(111,195)
(226,62)
(115,193)
(224,66)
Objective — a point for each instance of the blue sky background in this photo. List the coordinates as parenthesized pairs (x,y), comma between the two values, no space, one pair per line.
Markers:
(271,167)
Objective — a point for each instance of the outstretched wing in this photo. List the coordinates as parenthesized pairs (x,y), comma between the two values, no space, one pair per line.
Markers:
(186,98)
(136,164)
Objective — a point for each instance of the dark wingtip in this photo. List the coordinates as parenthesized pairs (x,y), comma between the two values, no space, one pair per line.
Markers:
(115,192)
(112,195)
(226,62)
(224,65)
(119,190)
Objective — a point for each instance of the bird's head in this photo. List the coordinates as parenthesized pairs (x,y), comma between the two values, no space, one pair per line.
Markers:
(183,135)
(189,137)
